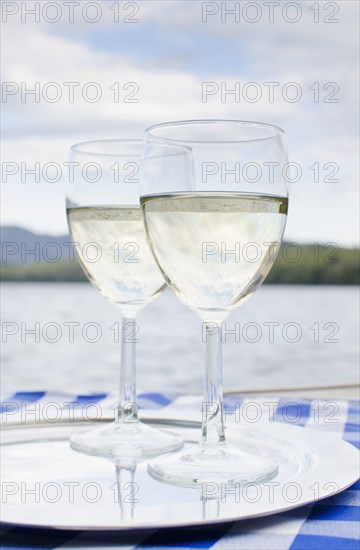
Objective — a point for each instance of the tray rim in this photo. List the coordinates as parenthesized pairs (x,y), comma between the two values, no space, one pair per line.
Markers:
(175,422)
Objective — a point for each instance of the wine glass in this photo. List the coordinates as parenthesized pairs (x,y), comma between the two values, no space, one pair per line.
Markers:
(107,231)
(214,226)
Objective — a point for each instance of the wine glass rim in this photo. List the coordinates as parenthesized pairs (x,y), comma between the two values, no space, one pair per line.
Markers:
(277,130)
(78,147)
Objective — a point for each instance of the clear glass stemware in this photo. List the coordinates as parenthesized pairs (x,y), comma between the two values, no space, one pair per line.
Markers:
(214,199)
(108,234)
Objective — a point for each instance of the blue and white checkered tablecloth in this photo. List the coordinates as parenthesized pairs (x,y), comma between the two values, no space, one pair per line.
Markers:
(329,524)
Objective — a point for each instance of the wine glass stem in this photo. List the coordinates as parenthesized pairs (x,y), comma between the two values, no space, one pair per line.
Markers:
(128,411)
(212,417)
(126,489)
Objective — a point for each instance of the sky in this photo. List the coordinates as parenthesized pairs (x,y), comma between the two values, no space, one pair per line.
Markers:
(161,54)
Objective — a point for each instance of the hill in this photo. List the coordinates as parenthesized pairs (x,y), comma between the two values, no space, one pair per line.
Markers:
(26,256)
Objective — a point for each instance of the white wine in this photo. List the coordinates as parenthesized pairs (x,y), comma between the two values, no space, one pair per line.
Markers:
(214,249)
(113,251)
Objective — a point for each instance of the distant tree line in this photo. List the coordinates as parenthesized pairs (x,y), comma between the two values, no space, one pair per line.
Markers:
(295,264)
(315,265)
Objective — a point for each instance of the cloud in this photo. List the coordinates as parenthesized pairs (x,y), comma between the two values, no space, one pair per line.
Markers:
(169,54)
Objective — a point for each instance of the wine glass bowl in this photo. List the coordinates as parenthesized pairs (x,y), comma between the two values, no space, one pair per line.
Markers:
(229,240)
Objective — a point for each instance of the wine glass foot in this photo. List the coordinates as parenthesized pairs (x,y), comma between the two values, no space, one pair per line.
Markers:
(221,465)
(128,441)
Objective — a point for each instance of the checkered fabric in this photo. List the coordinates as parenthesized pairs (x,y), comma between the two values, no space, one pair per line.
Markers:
(330,524)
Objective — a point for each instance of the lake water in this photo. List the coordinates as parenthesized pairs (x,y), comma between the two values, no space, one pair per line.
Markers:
(314,340)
